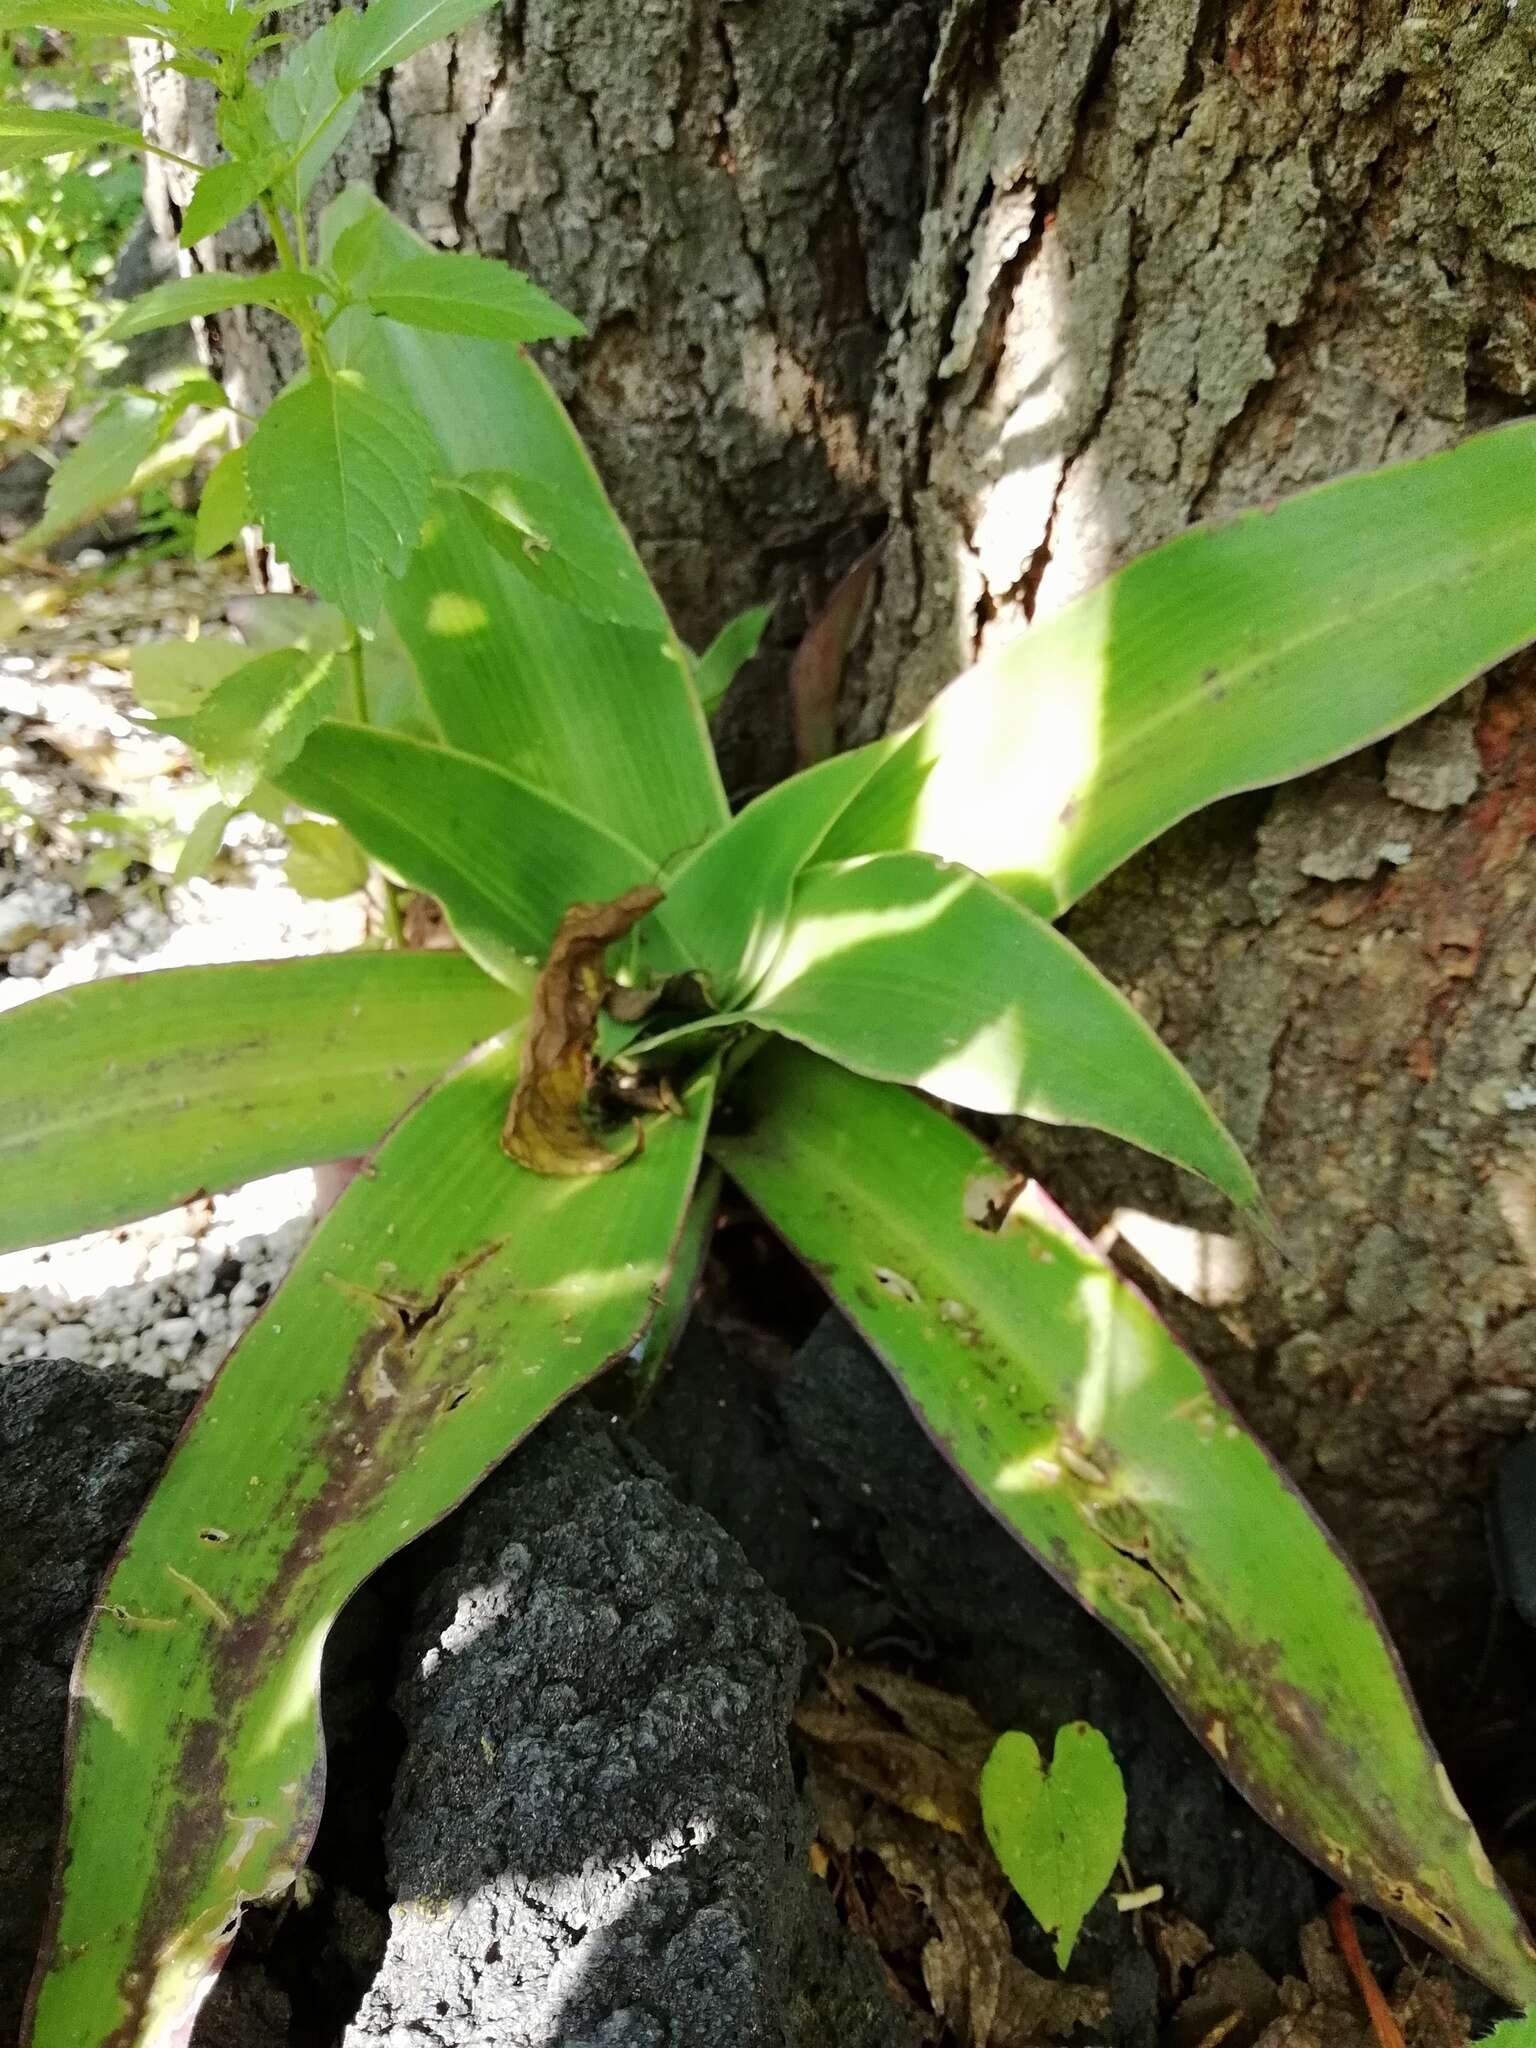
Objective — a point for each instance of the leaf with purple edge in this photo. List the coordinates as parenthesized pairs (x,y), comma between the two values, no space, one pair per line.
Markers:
(1067,1406)
(442,1317)
(236,1071)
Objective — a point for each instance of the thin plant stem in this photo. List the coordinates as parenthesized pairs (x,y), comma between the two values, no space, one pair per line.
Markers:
(272,214)
(185,162)
(357,695)
(301,233)
(357,710)
(310,333)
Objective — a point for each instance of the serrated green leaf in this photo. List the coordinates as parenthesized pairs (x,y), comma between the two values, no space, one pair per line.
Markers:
(100,469)
(324,862)
(194,67)
(254,722)
(390,683)
(505,859)
(172,678)
(51,131)
(1238,654)
(360,239)
(189,298)
(224,509)
(727,654)
(191,390)
(221,25)
(1070,1410)
(104,467)
(267,623)
(201,847)
(221,194)
(571,555)
(235,1071)
(1516,2033)
(461,293)
(1057,1834)
(392,30)
(443,1308)
(341,481)
(906,969)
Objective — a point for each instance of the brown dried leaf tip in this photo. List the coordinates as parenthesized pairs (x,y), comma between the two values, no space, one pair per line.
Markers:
(546,1129)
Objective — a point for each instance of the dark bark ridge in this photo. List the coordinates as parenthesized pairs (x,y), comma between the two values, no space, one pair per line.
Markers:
(1177,259)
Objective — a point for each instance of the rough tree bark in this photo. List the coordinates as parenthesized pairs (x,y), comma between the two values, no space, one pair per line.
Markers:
(1034,285)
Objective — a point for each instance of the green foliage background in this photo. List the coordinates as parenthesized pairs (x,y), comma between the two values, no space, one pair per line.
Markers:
(63,222)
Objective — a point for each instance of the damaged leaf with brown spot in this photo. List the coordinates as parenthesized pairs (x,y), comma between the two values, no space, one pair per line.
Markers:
(1069,1408)
(436,1316)
(547,1128)
(1323,2008)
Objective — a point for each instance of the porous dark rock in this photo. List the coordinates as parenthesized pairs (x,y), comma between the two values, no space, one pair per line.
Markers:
(822,1471)
(596,1837)
(79,1450)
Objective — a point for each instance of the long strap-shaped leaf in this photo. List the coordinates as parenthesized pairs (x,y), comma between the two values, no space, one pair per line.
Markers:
(446,1305)
(727,902)
(907,969)
(504,859)
(1235,656)
(603,715)
(1066,1405)
(134,1094)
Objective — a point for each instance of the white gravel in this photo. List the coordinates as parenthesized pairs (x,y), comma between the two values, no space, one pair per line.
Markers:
(169,1295)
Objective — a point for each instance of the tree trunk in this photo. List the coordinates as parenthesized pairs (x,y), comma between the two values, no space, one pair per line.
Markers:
(1036,285)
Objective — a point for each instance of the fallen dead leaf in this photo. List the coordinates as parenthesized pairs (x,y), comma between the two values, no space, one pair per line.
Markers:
(1231,2001)
(1325,2011)
(1030,2006)
(839,1806)
(943,1720)
(979,1988)
(546,1129)
(896,1768)
(892,1779)
(1181,1947)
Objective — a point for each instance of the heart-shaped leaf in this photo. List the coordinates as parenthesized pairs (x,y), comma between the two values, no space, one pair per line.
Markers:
(1056,1833)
